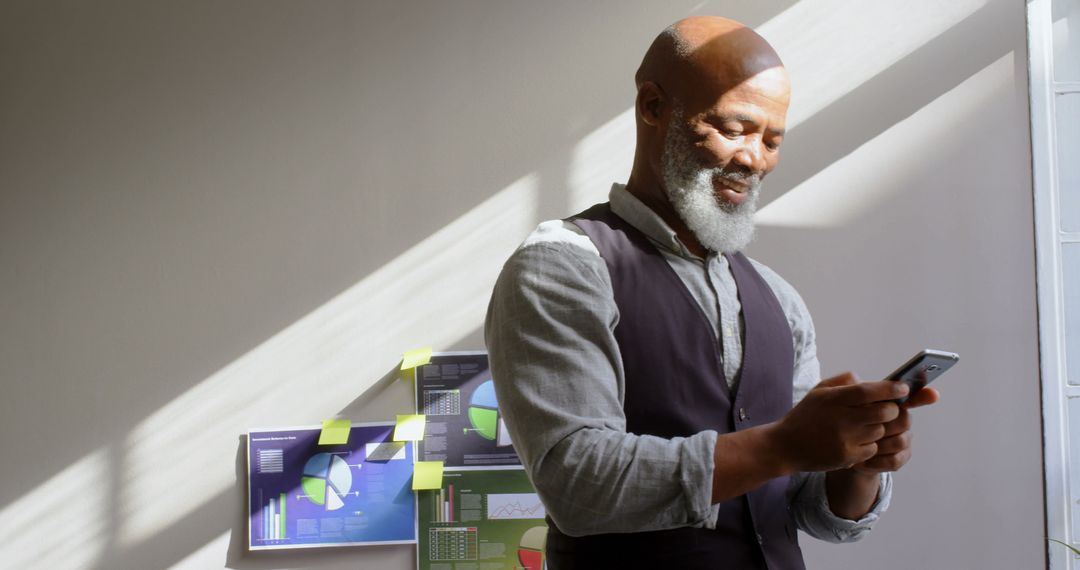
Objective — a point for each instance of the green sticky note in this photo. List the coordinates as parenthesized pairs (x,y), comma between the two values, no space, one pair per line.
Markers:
(335,432)
(409,428)
(427,475)
(417,357)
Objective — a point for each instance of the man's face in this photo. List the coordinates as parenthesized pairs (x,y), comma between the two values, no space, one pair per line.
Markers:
(714,160)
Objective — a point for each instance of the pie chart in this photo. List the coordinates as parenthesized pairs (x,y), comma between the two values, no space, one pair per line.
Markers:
(326,479)
(484,415)
(531,551)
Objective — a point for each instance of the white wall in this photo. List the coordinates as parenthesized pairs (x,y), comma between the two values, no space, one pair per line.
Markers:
(215,216)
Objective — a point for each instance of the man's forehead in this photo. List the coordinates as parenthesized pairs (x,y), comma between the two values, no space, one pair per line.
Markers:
(768,91)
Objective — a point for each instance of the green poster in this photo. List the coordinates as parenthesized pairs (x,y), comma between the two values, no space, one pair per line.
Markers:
(487,519)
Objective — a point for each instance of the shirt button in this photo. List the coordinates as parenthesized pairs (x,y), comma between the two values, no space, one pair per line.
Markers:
(760,539)
(742,414)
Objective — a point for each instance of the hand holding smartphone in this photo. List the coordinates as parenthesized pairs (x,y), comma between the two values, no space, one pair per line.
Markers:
(922,369)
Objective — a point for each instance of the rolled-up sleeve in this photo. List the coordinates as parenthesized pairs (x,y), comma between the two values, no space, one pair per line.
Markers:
(559,380)
(814,516)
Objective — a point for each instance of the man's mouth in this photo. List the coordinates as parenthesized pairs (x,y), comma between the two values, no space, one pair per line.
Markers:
(736,185)
(732,191)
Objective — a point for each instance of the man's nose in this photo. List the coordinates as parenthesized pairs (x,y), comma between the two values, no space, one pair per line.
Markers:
(750,156)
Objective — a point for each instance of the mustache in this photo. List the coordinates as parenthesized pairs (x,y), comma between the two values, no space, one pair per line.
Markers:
(742,176)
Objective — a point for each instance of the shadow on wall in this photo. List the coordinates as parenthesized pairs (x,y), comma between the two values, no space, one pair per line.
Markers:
(154,492)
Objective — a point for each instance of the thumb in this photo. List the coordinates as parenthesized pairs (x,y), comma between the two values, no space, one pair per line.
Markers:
(845,379)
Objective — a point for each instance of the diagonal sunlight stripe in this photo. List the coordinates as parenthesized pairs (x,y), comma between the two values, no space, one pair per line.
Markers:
(600,158)
(857,182)
(434,293)
(830,47)
(63,522)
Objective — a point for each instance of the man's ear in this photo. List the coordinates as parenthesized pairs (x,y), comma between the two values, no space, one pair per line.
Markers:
(651,103)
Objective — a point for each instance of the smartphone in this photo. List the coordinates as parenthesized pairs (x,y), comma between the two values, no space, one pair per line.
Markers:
(922,369)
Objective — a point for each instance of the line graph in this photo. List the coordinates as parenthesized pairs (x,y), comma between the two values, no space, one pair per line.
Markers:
(514,506)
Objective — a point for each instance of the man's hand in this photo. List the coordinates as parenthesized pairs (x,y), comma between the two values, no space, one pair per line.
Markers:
(894,448)
(840,424)
(853,491)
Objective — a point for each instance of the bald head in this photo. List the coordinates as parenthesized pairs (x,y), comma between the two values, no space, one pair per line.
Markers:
(705,53)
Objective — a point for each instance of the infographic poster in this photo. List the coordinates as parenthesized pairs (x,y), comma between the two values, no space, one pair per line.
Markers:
(303,495)
(490,519)
(464,425)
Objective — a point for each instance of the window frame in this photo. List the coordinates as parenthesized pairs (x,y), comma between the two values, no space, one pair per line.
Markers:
(1049,238)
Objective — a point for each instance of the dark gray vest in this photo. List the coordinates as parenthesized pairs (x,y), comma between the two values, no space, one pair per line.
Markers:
(675,387)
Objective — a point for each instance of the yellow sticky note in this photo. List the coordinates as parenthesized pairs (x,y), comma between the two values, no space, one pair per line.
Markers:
(409,428)
(427,475)
(335,432)
(417,357)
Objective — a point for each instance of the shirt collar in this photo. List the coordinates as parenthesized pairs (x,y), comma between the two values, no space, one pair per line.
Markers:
(644,219)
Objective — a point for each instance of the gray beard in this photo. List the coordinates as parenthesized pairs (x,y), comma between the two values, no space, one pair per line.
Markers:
(718,225)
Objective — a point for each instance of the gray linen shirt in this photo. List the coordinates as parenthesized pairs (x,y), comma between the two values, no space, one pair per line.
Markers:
(560,383)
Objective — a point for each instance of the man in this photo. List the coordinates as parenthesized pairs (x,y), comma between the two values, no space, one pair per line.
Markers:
(647,370)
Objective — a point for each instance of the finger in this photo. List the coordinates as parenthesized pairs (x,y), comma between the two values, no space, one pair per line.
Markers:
(876,413)
(845,379)
(923,397)
(864,452)
(869,392)
(892,462)
(901,424)
(870,433)
(894,444)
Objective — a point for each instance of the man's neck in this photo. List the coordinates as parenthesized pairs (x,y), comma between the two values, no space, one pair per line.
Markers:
(652,195)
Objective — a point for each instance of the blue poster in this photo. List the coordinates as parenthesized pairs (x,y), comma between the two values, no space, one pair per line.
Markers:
(302,494)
